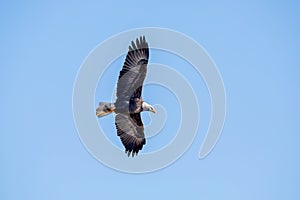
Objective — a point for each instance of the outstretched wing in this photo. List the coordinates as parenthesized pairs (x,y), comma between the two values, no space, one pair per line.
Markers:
(134,71)
(130,129)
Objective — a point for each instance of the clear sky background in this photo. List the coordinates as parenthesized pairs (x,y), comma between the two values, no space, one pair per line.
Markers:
(256,47)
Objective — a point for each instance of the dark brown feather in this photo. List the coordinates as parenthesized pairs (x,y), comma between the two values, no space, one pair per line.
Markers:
(128,121)
(131,132)
(134,71)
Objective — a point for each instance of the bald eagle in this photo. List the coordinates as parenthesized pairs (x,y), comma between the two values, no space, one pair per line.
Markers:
(129,103)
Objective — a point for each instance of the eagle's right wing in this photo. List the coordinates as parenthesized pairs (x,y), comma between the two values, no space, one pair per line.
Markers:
(134,71)
(130,129)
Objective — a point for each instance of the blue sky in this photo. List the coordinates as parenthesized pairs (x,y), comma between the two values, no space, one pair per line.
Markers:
(256,48)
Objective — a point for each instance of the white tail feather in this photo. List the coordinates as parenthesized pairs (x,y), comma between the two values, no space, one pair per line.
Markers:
(105,108)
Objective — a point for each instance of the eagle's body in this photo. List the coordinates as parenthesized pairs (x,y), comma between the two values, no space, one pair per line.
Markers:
(129,103)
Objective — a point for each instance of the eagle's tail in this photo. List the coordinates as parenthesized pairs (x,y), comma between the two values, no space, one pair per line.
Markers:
(105,108)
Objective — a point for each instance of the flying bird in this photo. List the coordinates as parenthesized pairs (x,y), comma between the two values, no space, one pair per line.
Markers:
(129,103)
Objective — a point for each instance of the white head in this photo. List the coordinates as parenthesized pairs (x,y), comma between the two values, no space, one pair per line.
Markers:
(147,107)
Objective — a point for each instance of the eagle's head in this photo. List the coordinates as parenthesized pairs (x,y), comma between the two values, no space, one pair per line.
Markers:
(148,107)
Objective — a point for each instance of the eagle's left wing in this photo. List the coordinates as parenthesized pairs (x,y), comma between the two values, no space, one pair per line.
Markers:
(130,129)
